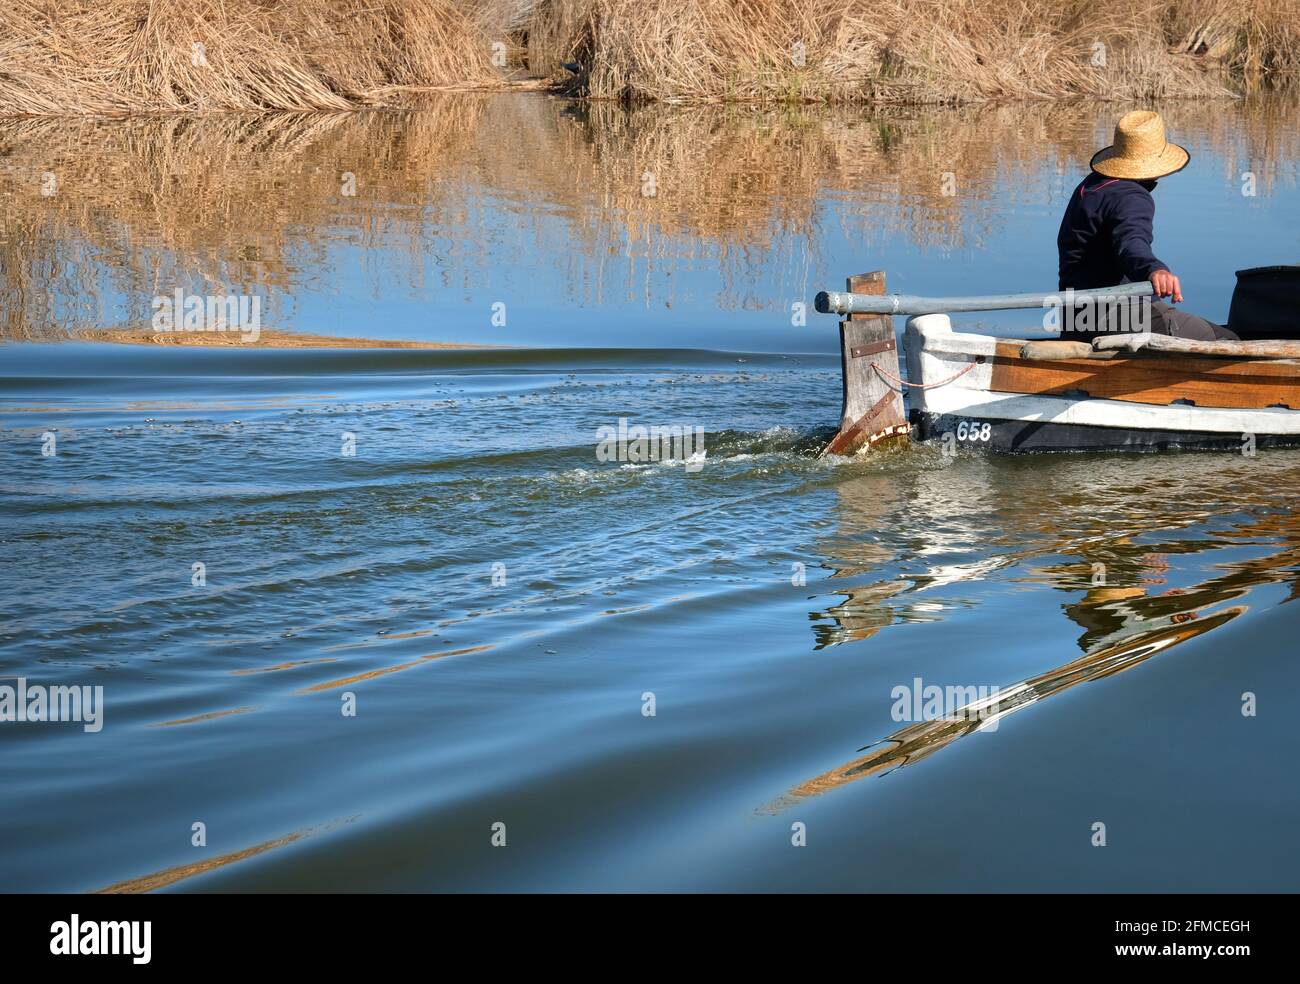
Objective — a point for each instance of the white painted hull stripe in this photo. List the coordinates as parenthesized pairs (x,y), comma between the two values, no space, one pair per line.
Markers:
(930,337)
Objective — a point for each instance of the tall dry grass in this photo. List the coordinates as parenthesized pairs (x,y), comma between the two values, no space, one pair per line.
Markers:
(63,57)
(923,50)
(1252,38)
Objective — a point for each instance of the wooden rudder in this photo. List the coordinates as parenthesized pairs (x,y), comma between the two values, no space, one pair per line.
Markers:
(873,404)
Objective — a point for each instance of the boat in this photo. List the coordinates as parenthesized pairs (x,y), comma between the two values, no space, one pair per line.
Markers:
(1127,391)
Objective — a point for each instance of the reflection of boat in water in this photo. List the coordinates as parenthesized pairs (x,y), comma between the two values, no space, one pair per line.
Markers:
(1122,596)
(1133,391)
(916,741)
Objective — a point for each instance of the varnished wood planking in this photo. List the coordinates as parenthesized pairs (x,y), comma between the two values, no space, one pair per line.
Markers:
(1161,380)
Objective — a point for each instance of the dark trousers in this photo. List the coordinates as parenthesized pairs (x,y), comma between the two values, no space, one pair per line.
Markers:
(1167,320)
(1163,319)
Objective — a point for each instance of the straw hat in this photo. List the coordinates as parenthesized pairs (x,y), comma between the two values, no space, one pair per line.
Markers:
(1140,150)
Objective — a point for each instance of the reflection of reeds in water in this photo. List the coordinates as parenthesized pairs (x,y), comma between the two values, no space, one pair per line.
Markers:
(914,742)
(255,202)
(170,876)
(223,202)
(1261,136)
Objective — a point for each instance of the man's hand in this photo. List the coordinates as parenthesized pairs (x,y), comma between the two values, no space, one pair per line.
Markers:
(1167,285)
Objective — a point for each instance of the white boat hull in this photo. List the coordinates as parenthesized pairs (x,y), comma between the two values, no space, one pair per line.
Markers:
(959,405)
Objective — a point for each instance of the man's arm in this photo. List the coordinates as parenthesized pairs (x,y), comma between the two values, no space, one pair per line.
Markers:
(1131,233)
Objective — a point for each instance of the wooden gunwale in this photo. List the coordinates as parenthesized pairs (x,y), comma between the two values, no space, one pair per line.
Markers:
(1154,379)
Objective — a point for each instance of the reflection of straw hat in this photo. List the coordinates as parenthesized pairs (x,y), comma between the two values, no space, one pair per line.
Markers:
(1140,150)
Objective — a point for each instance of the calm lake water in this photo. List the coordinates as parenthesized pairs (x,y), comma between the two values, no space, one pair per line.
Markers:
(425,607)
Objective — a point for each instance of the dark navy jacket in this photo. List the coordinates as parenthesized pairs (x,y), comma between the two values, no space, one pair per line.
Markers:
(1105,236)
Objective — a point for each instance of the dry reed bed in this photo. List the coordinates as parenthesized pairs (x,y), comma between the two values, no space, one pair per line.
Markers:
(925,50)
(69,57)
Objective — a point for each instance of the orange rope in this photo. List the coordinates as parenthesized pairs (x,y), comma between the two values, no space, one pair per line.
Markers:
(920,386)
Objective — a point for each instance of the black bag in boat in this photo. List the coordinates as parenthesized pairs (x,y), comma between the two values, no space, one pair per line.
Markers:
(1266,303)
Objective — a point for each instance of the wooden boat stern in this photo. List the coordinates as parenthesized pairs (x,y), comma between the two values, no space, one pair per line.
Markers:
(872,411)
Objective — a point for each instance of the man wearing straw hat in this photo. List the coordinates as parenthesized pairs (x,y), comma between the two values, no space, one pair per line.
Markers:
(1106,233)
